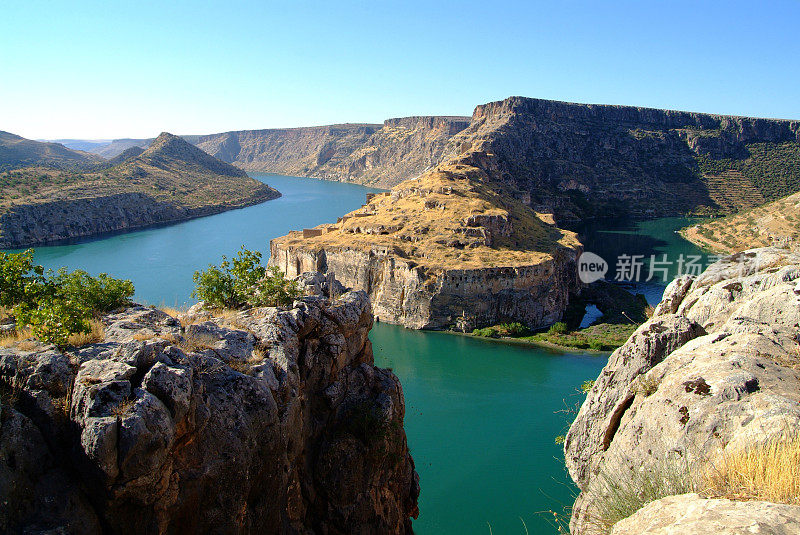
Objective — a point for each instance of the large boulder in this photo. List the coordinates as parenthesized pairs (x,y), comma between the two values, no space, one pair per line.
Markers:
(713,372)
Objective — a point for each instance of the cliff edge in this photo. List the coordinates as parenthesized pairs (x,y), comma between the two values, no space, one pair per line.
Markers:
(273,421)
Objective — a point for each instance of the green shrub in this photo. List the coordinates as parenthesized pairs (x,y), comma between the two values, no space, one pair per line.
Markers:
(100,294)
(243,281)
(558,328)
(53,320)
(512,329)
(56,305)
(597,345)
(586,386)
(18,275)
(215,286)
(486,332)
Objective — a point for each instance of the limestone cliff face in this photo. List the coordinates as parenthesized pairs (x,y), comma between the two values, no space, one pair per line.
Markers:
(579,160)
(275,421)
(443,251)
(405,294)
(381,155)
(713,372)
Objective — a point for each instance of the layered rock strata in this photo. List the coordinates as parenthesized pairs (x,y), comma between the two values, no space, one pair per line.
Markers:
(713,372)
(274,421)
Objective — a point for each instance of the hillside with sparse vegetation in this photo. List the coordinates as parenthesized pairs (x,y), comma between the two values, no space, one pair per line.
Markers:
(170,181)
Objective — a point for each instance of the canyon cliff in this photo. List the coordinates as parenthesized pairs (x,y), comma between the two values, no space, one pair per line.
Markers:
(573,160)
(711,376)
(373,154)
(171,181)
(271,421)
(584,160)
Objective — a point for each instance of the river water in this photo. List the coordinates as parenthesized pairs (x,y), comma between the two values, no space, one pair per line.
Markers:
(481,416)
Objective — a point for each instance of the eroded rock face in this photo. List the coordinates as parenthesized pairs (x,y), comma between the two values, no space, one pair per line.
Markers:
(463,299)
(276,422)
(715,370)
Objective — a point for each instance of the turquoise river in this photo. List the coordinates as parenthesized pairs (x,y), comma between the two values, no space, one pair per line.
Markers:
(481,416)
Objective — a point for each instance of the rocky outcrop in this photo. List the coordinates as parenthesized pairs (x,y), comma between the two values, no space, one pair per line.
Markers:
(443,251)
(171,181)
(585,160)
(407,294)
(379,155)
(713,372)
(275,421)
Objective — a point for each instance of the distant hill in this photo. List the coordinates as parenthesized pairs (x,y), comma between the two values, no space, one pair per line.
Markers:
(127,154)
(170,181)
(85,145)
(776,223)
(118,146)
(588,160)
(376,154)
(17,152)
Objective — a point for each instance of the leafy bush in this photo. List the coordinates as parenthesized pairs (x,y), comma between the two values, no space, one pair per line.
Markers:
(100,294)
(558,328)
(17,273)
(243,281)
(54,320)
(486,332)
(58,305)
(512,329)
(586,386)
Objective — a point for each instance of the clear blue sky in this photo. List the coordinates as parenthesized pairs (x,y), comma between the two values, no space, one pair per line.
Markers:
(116,69)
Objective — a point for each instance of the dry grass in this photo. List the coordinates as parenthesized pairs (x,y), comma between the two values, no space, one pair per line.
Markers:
(257,356)
(172,311)
(425,221)
(241,366)
(14,338)
(768,471)
(96,335)
(180,315)
(774,223)
(122,407)
(196,342)
(143,337)
(230,318)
